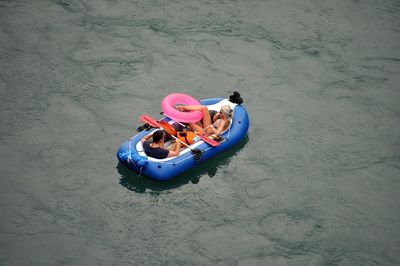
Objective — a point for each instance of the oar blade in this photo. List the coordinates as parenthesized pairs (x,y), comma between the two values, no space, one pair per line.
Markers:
(148,119)
(208,140)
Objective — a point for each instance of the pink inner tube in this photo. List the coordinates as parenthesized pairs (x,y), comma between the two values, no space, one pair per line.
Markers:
(168,107)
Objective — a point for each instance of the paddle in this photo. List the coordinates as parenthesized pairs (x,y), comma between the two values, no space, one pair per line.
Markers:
(202,136)
(153,123)
(149,120)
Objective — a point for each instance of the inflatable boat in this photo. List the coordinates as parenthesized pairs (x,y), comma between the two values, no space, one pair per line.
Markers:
(131,152)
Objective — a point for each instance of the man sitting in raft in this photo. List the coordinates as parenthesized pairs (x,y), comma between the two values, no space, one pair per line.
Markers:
(156,148)
(213,122)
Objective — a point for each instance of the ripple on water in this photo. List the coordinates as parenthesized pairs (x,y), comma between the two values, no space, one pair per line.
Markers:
(229,240)
(291,230)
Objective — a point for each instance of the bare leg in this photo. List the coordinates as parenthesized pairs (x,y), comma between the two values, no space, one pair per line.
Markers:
(206,121)
(209,131)
(206,117)
(196,128)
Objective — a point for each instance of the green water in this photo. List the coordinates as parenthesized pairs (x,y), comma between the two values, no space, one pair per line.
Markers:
(315,182)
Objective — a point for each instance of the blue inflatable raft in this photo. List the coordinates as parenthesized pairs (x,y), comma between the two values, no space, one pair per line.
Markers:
(131,152)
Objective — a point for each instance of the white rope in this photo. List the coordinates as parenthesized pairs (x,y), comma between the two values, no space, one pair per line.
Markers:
(129,160)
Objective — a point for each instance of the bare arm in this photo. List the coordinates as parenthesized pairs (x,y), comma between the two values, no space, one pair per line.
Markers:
(176,150)
(146,138)
(190,107)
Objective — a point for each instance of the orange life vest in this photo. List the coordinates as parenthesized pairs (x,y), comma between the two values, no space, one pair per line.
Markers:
(186,136)
(168,128)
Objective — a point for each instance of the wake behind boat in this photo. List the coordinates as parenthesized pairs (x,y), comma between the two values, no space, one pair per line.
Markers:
(132,155)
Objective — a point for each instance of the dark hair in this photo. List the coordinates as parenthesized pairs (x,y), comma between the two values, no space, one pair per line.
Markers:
(158,135)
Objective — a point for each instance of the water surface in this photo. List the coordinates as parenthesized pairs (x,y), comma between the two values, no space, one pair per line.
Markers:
(315,182)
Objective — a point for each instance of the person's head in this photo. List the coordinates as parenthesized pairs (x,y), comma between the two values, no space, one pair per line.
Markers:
(158,136)
(226,111)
